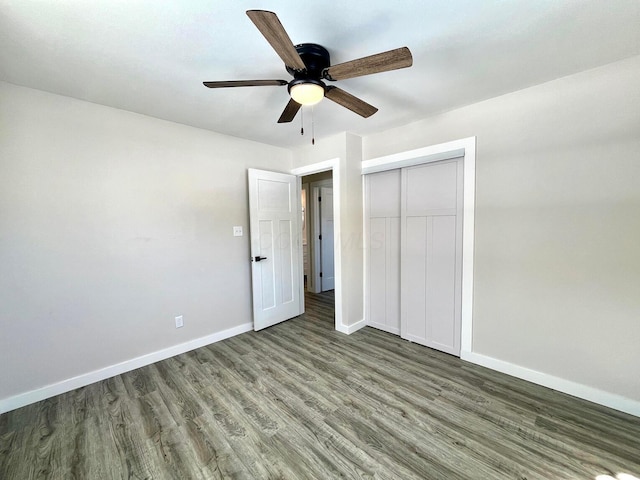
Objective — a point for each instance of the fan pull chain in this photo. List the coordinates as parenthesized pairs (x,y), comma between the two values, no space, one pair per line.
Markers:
(313,131)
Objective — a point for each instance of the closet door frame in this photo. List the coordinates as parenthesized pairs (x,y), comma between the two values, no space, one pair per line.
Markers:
(465,148)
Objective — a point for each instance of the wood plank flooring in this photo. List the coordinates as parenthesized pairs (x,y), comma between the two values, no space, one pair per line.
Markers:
(299,400)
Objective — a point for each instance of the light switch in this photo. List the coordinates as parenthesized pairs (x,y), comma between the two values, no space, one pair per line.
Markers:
(237,231)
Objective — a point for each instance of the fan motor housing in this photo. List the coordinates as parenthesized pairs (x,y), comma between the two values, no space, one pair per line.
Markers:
(315,57)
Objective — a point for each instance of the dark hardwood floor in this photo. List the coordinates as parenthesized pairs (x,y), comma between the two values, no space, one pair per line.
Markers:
(299,400)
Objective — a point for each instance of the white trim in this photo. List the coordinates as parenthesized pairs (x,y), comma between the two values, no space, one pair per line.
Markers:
(307,190)
(17,401)
(300,246)
(365,253)
(579,390)
(354,327)
(444,151)
(323,166)
(434,153)
(333,165)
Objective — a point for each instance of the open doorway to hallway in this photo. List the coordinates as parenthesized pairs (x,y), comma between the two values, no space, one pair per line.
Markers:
(320,308)
(318,232)
(333,166)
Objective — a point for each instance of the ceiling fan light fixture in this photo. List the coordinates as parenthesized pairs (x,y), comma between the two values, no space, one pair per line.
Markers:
(309,64)
(307,93)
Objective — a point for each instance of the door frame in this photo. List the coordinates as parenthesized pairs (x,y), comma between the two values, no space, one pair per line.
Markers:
(465,148)
(333,165)
(306,231)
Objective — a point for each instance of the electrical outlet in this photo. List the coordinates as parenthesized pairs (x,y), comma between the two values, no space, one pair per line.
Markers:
(237,231)
(179,322)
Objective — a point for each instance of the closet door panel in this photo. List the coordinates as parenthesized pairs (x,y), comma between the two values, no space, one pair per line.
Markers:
(430,187)
(393,275)
(431,214)
(384,194)
(377,271)
(414,280)
(382,219)
(441,281)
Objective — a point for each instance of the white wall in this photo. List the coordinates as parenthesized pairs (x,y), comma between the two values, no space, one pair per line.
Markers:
(557,241)
(111,224)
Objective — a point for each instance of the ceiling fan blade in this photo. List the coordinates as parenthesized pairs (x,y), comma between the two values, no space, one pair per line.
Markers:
(276,35)
(380,62)
(347,100)
(245,83)
(290,111)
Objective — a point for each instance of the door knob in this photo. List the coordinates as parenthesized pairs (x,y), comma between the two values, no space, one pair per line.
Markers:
(259,258)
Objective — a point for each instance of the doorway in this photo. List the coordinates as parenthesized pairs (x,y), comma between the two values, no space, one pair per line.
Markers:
(333,166)
(276,246)
(318,232)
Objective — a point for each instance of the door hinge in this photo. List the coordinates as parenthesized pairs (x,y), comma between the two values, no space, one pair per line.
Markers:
(320,274)
(319,199)
(319,237)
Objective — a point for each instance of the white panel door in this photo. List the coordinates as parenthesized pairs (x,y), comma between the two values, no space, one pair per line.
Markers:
(327,278)
(275,247)
(431,255)
(382,227)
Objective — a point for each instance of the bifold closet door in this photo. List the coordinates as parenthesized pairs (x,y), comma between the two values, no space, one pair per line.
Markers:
(431,254)
(382,216)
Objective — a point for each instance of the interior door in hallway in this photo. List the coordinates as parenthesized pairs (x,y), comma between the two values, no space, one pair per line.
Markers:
(431,255)
(326,244)
(275,247)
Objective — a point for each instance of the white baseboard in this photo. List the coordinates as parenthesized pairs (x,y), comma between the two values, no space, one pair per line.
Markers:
(354,327)
(585,392)
(591,394)
(17,401)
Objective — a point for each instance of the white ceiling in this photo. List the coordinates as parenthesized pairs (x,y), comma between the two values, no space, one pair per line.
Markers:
(151,57)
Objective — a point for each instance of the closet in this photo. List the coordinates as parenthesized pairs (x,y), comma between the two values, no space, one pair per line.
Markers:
(413,226)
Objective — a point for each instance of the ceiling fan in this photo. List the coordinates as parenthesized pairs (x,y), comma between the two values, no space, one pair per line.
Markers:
(310,66)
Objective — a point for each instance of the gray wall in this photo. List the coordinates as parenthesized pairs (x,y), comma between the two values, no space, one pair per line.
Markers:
(111,224)
(557,256)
